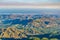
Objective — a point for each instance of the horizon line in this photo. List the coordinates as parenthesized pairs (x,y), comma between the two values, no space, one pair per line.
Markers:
(30,6)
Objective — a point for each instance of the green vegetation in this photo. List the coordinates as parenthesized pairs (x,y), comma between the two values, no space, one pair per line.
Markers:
(44,39)
(36,38)
(53,39)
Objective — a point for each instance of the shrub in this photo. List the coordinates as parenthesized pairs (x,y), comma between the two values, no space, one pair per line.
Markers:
(36,38)
(53,39)
(45,39)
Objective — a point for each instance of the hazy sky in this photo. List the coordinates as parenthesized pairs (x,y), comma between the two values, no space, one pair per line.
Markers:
(47,5)
(5,3)
(31,1)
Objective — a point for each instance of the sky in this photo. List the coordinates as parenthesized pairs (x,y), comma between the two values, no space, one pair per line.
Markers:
(35,2)
(30,1)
